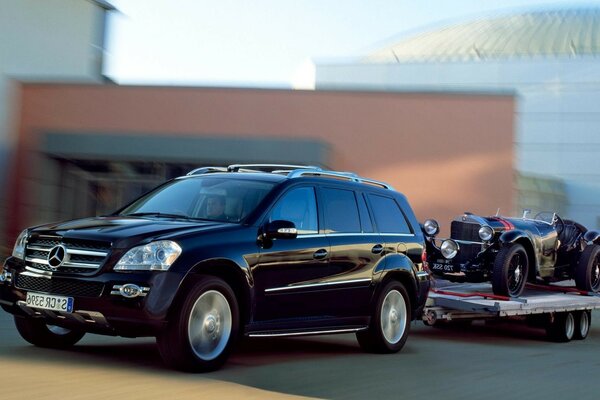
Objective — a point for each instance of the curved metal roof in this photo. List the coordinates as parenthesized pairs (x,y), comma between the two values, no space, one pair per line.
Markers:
(551,33)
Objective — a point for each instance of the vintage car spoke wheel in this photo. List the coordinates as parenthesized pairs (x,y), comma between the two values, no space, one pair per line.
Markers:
(561,328)
(510,272)
(587,271)
(38,333)
(583,320)
(390,321)
(200,335)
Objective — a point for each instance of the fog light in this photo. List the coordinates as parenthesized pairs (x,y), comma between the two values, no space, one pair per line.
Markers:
(130,290)
(5,276)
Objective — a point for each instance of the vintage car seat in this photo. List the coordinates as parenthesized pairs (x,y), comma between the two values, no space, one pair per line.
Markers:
(570,234)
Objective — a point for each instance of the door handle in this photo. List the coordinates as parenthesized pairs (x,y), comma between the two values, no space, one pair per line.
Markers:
(378,248)
(320,254)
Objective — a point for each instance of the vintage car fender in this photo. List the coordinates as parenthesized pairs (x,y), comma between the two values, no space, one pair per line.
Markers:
(510,237)
(592,237)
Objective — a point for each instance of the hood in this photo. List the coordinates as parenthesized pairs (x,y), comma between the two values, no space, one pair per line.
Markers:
(125,231)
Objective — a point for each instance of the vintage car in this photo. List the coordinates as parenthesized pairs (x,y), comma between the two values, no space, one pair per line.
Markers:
(511,251)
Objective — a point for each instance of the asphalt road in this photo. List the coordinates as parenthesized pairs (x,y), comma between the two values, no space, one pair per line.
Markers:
(499,361)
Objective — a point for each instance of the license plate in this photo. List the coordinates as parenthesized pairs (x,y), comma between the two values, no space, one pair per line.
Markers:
(49,302)
(442,267)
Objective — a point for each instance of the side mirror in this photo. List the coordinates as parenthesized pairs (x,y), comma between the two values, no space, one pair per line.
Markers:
(280,229)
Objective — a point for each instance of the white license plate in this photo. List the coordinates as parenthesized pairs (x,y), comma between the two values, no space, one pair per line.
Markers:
(49,302)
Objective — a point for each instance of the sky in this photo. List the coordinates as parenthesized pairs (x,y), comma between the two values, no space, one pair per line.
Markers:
(268,43)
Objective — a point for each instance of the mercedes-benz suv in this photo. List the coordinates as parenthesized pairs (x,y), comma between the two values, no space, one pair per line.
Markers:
(254,250)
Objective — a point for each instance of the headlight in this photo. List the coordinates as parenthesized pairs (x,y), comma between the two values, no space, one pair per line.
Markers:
(431,227)
(19,249)
(486,233)
(155,256)
(449,249)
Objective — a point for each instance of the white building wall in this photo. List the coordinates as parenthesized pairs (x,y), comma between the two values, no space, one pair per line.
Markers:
(44,40)
(557,117)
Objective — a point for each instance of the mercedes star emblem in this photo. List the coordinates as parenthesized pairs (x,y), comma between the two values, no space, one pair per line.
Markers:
(57,256)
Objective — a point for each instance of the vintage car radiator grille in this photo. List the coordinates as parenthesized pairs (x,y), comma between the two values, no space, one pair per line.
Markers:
(462,231)
(62,287)
(465,231)
(81,256)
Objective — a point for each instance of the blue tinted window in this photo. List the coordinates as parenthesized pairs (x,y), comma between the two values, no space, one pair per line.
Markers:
(300,207)
(341,211)
(388,216)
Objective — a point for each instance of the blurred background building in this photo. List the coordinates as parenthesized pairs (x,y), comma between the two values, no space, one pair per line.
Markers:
(549,58)
(497,112)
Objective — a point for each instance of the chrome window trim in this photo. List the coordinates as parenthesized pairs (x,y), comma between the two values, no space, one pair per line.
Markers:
(308,285)
(354,234)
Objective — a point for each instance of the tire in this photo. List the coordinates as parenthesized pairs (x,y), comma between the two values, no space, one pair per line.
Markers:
(583,320)
(390,321)
(561,328)
(587,271)
(202,331)
(510,271)
(38,333)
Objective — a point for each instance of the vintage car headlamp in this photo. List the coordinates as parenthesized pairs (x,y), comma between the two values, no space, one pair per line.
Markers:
(449,249)
(19,249)
(486,233)
(154,256)
(431,227)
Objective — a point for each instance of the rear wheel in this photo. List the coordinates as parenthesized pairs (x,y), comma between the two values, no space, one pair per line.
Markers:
(510,271)
(200,335)
(38,333)
(583,320)
(587,272)
(390,321)
(561,328)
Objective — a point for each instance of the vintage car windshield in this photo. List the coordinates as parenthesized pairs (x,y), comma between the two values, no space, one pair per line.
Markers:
(202,198)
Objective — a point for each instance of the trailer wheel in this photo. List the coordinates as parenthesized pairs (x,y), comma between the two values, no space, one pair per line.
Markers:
(510,271)
(587,271)
(583,321)
(561,327)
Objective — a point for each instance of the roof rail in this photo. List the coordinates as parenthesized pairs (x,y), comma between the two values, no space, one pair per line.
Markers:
(206,170)
(267,167)
(338,175)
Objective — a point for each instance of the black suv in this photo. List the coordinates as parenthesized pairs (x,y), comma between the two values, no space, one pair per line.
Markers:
(254,250)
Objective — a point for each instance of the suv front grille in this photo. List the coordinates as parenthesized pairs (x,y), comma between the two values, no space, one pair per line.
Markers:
(64,287)
(82,256)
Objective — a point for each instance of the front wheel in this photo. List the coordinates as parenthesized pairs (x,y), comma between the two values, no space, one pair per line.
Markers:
(201,333)
(510,271)
(38,333)
(587,271)
(390,321)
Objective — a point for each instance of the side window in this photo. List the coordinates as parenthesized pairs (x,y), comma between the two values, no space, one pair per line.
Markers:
(300,207)
(388,216)
(340,211)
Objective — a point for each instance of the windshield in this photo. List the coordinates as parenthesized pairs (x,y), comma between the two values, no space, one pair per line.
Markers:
(207,198)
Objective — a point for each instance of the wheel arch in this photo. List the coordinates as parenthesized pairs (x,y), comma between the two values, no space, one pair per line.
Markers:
(520,237)
(400,268)
(230,272)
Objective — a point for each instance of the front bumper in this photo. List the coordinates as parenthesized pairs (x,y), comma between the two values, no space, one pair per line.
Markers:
(98,305)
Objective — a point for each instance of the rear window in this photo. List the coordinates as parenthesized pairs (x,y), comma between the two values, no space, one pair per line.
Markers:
(388,215)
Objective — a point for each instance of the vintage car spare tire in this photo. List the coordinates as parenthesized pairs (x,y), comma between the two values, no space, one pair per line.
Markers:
(510,271)
(587,272)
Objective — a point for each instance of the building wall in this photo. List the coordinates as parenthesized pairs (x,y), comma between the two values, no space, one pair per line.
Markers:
(557,112)
(447,152)
(49,40)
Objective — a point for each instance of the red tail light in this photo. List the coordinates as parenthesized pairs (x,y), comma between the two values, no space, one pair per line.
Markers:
(424,260)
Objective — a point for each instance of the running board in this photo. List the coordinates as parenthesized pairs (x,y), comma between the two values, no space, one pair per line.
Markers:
(324,331)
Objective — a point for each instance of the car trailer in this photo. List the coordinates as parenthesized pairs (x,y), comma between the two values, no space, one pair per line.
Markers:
(564,311)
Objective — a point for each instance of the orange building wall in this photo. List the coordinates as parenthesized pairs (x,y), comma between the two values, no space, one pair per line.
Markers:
(447,152)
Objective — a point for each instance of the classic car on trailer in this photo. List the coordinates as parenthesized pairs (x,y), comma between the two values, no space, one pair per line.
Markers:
(511,251)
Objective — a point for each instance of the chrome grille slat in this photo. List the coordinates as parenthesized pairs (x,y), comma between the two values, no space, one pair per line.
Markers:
(82,256)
